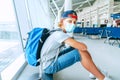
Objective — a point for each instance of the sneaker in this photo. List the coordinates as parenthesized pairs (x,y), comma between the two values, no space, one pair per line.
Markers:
(91,76)
(106,78)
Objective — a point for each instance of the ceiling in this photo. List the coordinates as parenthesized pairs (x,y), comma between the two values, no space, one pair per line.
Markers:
(78,5)
(116,7)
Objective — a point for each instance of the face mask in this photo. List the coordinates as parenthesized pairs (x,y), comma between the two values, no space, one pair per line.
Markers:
(69,27)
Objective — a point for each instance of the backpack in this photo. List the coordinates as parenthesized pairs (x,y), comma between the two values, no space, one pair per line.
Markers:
(35,41)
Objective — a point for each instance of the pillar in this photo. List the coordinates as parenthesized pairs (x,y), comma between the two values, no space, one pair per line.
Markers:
(68,5)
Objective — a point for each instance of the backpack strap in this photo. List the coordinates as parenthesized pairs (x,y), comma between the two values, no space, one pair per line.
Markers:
(53,30)
(58,51)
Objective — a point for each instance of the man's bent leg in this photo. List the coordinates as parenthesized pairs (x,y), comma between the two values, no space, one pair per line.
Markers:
(63,61)
(48,75)
(88,63)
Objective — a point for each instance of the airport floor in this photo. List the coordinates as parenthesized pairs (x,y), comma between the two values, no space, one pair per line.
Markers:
(105,56)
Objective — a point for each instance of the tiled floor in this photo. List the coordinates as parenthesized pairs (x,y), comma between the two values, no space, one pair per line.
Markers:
(105,56)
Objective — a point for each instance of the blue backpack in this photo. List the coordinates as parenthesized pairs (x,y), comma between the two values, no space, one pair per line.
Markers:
(35,41)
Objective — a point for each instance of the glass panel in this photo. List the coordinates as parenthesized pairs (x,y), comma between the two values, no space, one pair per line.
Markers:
(10,44)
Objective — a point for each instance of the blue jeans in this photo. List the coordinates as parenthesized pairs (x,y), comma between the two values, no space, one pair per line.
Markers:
(66,58)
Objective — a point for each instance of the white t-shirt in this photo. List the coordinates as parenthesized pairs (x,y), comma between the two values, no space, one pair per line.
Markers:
(51,46)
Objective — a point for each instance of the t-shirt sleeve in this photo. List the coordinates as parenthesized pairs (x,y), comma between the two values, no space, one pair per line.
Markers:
(61,36)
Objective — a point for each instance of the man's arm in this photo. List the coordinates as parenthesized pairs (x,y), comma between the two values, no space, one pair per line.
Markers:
(78,45)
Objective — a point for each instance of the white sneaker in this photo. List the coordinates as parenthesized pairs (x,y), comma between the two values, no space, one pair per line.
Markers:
(106,78)
(91,76)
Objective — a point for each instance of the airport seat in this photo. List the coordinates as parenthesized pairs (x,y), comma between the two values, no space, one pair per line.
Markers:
(94,31)
(113,34)
(78,30)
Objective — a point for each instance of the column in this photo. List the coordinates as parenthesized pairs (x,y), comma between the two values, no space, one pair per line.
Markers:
(98,18)
(68,5)
(110,11)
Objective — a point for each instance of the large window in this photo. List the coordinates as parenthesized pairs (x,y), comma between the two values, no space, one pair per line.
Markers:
(10,44)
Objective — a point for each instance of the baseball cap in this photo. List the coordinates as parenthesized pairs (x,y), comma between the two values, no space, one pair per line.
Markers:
(69,13)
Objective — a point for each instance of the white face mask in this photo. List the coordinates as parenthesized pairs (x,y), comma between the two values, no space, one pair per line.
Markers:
(69,27)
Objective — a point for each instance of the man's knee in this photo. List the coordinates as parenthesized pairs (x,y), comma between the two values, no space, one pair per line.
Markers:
(85,54)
